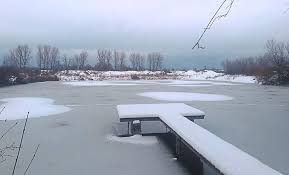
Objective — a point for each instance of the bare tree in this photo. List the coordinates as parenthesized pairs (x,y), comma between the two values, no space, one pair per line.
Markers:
(116,60)
(83,59)
(39,56)
(155,61)
(104,57)
(48,57)
(277,54)
(54,58)
(137,61)
(19,56)
(65,62)
(119,60)
(122,63)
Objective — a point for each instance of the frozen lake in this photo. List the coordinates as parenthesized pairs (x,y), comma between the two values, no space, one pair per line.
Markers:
(79,141)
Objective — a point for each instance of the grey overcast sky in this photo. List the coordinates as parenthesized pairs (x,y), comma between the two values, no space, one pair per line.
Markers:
(168,26)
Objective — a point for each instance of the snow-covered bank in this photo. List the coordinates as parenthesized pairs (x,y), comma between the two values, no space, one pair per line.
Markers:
(76,75)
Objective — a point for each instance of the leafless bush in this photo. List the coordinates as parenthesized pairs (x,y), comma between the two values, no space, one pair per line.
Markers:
(271,68)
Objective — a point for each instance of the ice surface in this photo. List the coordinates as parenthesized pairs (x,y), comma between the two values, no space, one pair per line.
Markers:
(17,108)
(184,96)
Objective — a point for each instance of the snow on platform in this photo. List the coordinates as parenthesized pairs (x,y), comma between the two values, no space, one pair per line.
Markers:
(135,111)
(224,156)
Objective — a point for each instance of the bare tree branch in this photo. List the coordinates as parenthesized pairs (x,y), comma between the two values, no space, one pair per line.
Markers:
(32,159)
(215,17)
(9,129)
(2,110)
(20,145)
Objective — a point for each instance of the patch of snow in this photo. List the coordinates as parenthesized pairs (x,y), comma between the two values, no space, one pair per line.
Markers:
(136,122)
(237,78)
(182,82)
(184,96)
(135,139)
(17,108)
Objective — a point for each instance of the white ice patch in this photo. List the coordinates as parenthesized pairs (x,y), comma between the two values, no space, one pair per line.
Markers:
(17,108)
(176,82)
(135,139)
(98,83)
(184,96)
(192,85)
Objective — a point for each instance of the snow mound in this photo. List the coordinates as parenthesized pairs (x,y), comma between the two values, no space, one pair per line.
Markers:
(211,75)
(135,139)
(184,96)
(17,108)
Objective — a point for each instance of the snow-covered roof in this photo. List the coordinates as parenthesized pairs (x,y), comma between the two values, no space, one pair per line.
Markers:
(225,157)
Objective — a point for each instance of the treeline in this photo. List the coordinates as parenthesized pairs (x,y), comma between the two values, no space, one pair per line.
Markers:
(50,58)
(270,68)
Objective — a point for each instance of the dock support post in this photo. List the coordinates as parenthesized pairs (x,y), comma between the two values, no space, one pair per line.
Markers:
(128,128)
(178,147)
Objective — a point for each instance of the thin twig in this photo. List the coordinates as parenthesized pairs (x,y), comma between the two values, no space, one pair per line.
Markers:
(32,159)
(8,130)
(213,19)
(20,145)
(2,110)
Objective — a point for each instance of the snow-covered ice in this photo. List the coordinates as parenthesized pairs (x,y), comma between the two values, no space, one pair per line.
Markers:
(184,96)
(135,139)
(97,83)
(224,156)
(17,108)
(192,85)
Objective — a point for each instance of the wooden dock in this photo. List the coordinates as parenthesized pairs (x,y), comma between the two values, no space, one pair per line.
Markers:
(206,147)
